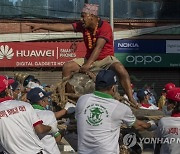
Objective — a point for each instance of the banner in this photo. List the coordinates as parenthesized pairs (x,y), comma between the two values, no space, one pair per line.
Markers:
(140,46)
(173,46)
(39,54)
(149,60)
(148,53)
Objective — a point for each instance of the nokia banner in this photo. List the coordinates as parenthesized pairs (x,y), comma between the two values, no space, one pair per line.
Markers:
(140,46)
(148,53)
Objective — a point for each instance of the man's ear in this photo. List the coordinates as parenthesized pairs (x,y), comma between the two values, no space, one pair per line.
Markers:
(114,88)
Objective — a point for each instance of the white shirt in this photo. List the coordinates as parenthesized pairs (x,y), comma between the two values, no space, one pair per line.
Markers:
(98,122)
(48,140)
(169,130)
(17,134)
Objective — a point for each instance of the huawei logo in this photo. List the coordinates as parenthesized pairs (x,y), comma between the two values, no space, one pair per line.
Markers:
(5,51)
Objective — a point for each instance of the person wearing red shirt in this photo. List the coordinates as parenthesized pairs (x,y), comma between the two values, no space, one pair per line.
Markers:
(98,38)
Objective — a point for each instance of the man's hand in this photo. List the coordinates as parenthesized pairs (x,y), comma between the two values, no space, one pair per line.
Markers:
(54,128)
(85,68)
(34,27)
(153,125)
(70,108)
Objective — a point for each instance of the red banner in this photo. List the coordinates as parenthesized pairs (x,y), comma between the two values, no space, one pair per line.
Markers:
(39,54)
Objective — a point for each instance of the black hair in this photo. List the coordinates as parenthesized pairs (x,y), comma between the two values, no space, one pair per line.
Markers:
(28,79)
(99,88)
(3,94)
(170,101)
(177,108)
(14,85)
(176,104)
(141,98)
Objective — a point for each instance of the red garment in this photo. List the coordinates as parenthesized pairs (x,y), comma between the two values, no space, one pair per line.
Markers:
(146,105)
(175,115)
(104,31)
(5,99)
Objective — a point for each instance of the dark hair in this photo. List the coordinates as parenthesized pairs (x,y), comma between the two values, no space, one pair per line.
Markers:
(3,94)
(99,88)
(177,107)
(141,98)
(170,101)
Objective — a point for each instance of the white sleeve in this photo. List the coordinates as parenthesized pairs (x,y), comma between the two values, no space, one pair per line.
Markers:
(129,118)
(34,117)
(124,114)
(54,122)
(80,105)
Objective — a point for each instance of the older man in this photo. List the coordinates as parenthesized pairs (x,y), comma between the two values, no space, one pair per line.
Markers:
(99,117)
(98,38)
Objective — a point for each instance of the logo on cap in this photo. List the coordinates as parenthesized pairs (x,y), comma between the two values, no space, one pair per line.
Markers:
(41,94)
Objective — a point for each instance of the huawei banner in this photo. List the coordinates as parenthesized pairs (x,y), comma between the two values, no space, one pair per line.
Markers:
(39,54)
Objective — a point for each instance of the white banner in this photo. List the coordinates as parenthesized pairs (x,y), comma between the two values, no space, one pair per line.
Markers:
(172,46)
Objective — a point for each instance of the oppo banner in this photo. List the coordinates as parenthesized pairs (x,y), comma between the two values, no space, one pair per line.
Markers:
(39,54)
(149,60)
(148,53)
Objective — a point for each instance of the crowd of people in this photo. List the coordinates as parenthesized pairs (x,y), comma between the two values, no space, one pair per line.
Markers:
(27,119)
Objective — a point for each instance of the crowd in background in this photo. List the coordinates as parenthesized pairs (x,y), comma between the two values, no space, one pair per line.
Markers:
(34,92)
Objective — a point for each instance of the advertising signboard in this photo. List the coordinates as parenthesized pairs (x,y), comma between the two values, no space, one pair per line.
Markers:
(148,53)
(39,54)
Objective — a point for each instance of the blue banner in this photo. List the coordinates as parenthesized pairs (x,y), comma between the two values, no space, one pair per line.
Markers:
(140,46)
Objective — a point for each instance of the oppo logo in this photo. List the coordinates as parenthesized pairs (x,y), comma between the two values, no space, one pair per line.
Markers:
(127,45)
(143,59)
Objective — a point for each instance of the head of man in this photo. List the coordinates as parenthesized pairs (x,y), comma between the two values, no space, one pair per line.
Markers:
(89,15)
(106,81)
(17,88)
(143,96)
(173,99)
(4,86)
(38,96)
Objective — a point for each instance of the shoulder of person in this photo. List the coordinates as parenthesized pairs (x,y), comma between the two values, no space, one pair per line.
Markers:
(45,112)
(122,105)
(85,96)
(23,103)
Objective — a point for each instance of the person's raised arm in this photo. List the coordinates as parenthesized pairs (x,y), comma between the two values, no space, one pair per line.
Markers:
(51,27)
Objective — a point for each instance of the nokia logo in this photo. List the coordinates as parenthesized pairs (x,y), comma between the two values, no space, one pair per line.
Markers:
(128,45)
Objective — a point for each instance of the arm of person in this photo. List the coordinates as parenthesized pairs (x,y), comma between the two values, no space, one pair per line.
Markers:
(58,138)
(41,129)
(60,113)
(141,125)
(68,109)
(130,120)
(52,27)
(94,55)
